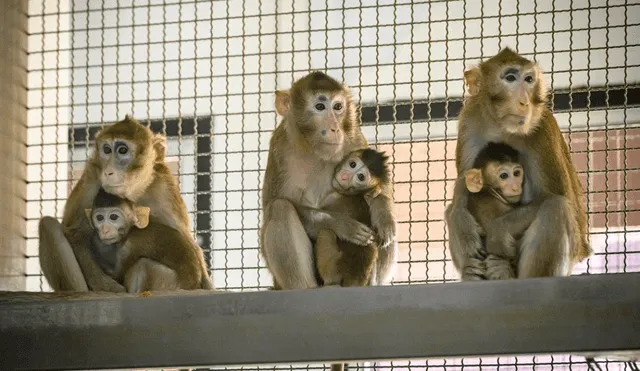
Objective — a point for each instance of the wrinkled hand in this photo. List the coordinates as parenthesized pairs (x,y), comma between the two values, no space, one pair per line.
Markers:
(384,227)
(351,230)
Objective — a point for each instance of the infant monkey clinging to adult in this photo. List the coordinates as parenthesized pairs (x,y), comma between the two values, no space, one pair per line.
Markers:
(356,181)
(136,250)
(495,186)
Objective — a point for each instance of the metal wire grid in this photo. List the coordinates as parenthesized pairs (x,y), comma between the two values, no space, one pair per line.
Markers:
(204,72)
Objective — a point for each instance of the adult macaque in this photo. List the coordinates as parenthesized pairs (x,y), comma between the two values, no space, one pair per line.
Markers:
(128,162)
(139,252)
(507,103)
(495,183)
(319,127)
(356,182)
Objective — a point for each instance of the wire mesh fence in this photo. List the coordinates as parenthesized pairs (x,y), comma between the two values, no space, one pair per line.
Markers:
(204,73)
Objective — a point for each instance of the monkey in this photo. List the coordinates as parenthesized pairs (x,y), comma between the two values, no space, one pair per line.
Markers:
(135,242)
(356,182)
(319,127)
(127,161)
(495,186)
(507,102)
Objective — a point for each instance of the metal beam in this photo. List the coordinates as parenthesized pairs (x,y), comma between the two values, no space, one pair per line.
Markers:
(46,331)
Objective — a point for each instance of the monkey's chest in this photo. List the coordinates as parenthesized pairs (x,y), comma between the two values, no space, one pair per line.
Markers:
(310,185)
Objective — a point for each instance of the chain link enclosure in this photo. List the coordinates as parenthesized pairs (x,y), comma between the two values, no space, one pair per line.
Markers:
(204,73)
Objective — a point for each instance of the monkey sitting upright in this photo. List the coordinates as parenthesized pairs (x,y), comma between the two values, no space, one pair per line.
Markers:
(495,186)
(128,239)
(356,182)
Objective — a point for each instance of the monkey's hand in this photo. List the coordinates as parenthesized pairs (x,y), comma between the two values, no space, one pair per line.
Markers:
(383,221)
(351,230)
(345,227)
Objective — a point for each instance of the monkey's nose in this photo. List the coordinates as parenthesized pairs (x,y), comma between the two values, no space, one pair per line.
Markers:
(335,130)
(108,173)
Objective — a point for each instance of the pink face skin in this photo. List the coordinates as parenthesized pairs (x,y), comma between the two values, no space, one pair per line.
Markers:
(509,178)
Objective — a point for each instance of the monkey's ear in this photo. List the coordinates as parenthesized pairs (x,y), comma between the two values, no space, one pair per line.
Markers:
(471,79)
(160,146)
(369,196)
(142,216)
(283,102)
(473,179)
(87,212)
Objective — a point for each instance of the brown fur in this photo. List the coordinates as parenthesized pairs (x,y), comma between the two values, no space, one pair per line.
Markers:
(341,262)
(298,178)
(552,197)
(148,182)
(152,256)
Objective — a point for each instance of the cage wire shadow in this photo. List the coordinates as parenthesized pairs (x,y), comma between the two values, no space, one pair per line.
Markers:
(204,74)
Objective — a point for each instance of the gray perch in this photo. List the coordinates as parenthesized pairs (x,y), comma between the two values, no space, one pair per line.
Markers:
(583,314)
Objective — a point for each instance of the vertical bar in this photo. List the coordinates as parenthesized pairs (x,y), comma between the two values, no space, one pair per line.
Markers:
(13,118)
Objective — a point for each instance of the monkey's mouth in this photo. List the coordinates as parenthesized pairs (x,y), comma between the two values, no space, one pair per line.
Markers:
(109,240)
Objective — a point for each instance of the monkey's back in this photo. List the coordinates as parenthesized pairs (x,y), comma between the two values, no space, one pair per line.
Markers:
(168,246)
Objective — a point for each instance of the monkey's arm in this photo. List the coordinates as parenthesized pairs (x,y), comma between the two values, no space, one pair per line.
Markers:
(345,227)
(382,219)
(78,232)
(502,230)
(466,247)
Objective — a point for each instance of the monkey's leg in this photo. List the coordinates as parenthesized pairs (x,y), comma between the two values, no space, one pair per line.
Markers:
(545,246)
(465,245)
(327,256)
(287,247)
(57,260)
(149,275)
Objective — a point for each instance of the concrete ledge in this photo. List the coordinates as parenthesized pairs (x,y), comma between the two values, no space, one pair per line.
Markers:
(580,314)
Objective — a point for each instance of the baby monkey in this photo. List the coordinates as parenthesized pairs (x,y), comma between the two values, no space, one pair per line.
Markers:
(356,181)
(495,183)
(141,253)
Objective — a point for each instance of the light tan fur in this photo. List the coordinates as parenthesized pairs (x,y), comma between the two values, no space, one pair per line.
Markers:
(298,178)
(148,255)
(341,262)
(149,183)
(517,114)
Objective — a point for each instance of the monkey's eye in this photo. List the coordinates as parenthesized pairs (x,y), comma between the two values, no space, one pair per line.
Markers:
(529,79)
(106,149)
(516,173)
(123,150)
(113,216)
(320,106)
(337,106)
(352,164)
(99,217)
(510,78)
(504,176)
(361,177)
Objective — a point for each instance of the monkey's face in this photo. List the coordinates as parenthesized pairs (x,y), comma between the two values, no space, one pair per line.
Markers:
(517,86)
(111,223)
(116,156)
(508,180)
(325,113)
(352,177)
